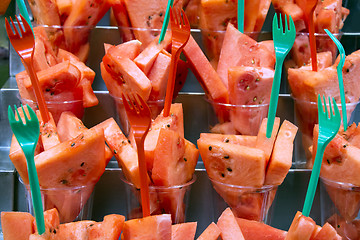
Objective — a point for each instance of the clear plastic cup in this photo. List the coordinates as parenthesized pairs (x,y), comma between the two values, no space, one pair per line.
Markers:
(56,108)
(73,203)
(300,53)
(236,119)
(340,204)
(155,108)
(170,200)
(306,117)
(253,203)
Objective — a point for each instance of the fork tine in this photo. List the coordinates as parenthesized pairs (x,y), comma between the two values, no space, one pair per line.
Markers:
(20,27)
(11,114)
(134,102)
(31,112)
(286,23)
(171,15)
(126,102)
(8,28)
(186,20)
(275,22)
(25,115)
(326,110)
(291,24)
(280,26)
(15,29)
(25,24)
(332,114)
(17,114)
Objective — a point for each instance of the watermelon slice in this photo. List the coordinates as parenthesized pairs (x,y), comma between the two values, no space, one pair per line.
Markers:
(255,230)
(130,49)
(183,231)
(244,140)
(48,132)
(122,19)
(301,228)
(17,225)
(327,232)
(45,12)
(110,228)
(206,75)
(212,232)
(227,223)
(158,75)
(281,157)
(156,227)
(249,86)
(233,164)
(246,53)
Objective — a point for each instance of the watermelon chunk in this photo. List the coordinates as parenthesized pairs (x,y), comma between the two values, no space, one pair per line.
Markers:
(206,75)
(110,228)
(17,225)
(122,19)
(156,227)
(212,232)
(45,12)
(233,164)
(229,227)
(249,86)
(327,232)
(281,158)
(48,132)
(244,140)
(246,53)
(301,227)
(264,143)
(130,49)
(255,230)
(158,75)
(183,231)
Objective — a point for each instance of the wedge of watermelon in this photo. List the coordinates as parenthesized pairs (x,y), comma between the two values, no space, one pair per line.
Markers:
(249,92)
(130,49)
(244,140)
(110,228)
(264,143)
(156,227)
(229,227)
(17,225)
(183,231)
(301,227)
(212,232)
(246,53)
(48,132)
(122,19)
(255,230)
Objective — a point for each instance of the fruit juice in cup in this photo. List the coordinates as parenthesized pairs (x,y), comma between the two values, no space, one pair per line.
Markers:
(73,203)
(58,107)
(253,203)
(340,204)
(155,108)
(306,117)
(163,200)
(236,119)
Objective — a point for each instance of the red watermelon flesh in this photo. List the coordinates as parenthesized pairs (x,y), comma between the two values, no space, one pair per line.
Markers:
(224,128)
(244,140)
(264,143)
(346,229)
(128,75)
(109,229)
(229,227)
(122,19)
(301,228)
(249,86)
(233,164)
(212,232)
(130,49)
(326,232)
(156,227)
(48,132)
(205,73)
(246,53)
(183,231)
(17,225)
(255,230)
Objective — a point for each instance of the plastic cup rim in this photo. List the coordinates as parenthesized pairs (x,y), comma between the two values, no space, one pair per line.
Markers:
(59,188)
(152,187)
(50,102)
(264,188)
(337,184)
(315,103)
(119,99)
(235,105)
(64,27)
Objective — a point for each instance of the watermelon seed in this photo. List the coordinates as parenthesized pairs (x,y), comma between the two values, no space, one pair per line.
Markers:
(345,145)
(72,144)
(115,152)
(168,125)
(328,161)
(247,87)
(253,61)
(129,141)
(227,140)
(82,164)
(64,181)
(258,79)
(160,14)
(226,157)
(338,226)
(185,159)
(210,147)
(254,99)
(222,174)
(229,169)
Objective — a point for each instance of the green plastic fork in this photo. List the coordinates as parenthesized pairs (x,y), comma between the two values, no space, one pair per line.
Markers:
(329,125)
(340,76)
(283,42)
(27,135)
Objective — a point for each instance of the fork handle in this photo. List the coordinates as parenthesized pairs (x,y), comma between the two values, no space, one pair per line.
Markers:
(35,192)
(314,178)
(144,187)
(171,81)
(38,93)
(274,96)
